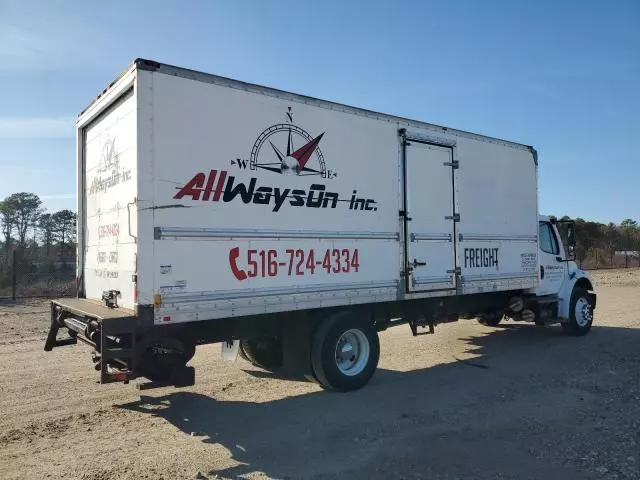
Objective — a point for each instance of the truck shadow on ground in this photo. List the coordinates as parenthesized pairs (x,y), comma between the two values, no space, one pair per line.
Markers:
(505,418)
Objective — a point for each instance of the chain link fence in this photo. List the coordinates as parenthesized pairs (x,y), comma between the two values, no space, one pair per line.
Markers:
(31,273)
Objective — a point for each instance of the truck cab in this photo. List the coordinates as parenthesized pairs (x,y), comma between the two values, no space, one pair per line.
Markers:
(565,292)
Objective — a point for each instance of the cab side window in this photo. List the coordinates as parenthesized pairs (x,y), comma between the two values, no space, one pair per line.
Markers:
(547,239)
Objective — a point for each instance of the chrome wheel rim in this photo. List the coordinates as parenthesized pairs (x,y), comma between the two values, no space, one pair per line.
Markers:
(583,312)
(352,352)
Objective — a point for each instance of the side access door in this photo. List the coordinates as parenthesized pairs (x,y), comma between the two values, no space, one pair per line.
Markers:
(429,217)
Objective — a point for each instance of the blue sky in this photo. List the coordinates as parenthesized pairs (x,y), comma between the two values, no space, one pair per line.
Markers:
(562,76)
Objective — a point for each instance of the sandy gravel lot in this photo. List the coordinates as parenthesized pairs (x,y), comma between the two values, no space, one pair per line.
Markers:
(470,402)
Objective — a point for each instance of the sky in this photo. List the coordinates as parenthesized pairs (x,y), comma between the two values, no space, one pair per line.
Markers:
(561,76)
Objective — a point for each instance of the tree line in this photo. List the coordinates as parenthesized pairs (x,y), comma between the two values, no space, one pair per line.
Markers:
(27,226)
(600,245)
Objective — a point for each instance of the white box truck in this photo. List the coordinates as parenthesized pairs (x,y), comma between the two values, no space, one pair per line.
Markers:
(293,230)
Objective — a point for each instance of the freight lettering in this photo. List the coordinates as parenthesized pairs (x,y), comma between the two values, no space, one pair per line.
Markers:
(219,186)
(480,257)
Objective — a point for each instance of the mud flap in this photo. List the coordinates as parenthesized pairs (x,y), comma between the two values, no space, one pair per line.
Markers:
(592,298)
(296,349)
(229,351)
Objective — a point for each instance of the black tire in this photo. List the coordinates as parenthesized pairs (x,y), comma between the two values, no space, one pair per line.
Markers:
(159,356)
(490,319)
(263,352)
(324,345)
(241,352)
(579,326)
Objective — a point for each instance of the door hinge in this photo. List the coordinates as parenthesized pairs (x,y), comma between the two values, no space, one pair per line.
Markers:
(455,217)
(455,271)
(455,164)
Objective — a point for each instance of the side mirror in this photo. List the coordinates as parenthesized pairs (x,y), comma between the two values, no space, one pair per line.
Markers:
(571,241)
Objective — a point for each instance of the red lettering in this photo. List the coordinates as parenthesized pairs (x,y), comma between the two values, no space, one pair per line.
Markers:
(208,189)
(291,254)
(273,263)
(326,263)
(347,264)
(265,263)
(300,255)
(355,263)
(311,262)
(252,263)
(336,257)
(196,186)
(193,188)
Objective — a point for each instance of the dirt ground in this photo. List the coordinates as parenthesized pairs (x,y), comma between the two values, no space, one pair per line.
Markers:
(470,402)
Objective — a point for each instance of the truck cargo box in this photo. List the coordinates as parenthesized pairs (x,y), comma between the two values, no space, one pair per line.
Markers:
(204,197)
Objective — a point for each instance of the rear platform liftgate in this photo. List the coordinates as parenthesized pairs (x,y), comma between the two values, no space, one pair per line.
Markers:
(430,217)
(111,332)
(121,341)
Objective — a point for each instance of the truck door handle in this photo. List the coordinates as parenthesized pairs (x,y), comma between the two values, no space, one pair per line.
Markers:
(416,263)
(541,272)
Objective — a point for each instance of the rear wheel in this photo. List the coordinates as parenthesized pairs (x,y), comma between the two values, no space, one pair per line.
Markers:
(490,319)
(263,352)
(344,352)
(580,313)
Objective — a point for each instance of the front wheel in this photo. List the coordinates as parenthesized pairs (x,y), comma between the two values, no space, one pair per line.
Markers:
(580,313)
(344,352)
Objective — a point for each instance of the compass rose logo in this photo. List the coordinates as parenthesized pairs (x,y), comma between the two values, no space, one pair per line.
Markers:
(287,149)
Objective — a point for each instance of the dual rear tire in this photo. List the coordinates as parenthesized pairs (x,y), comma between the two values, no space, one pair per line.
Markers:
(490,319)
(263,352)
(344,351)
